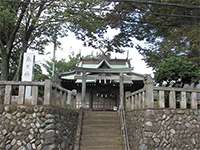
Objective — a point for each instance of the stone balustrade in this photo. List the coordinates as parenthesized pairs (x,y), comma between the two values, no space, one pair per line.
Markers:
(163,97)
(36,93)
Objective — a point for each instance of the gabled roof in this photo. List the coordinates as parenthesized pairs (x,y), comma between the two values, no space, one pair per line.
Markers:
(107,63)
(99,66)
(104,64)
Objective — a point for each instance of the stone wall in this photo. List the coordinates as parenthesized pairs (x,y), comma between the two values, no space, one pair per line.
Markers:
(37,128)
(164,129)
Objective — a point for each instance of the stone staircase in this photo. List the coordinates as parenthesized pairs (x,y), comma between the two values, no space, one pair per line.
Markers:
(101,131)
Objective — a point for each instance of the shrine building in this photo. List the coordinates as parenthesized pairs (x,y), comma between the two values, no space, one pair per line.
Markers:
(102,82)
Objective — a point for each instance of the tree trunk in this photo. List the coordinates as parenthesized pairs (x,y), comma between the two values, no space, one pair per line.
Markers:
(18,74)
(4,66)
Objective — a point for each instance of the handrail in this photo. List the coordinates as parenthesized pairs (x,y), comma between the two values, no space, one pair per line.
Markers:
(22,83)
(79,130)
(60,88)
(31,93)
(124,128)
(163,97)
(176,89)
(137,92)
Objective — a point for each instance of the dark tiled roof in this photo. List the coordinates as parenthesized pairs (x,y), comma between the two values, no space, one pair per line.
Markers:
(110,61)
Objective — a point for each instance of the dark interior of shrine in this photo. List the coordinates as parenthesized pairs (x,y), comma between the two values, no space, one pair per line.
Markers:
(134,86)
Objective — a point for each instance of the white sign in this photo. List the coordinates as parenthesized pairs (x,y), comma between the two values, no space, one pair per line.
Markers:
(27,71)
(28,64)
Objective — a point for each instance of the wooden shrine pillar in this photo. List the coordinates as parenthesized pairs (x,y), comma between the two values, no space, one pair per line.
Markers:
(83,91)
(121,90)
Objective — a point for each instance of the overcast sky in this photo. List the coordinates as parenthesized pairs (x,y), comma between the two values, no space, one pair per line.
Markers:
(70,45)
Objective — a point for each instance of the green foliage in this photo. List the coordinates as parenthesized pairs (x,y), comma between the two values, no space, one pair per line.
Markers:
(177,68)
(61,65)
(38,74)
(33,24)
(171,34)
(166,29)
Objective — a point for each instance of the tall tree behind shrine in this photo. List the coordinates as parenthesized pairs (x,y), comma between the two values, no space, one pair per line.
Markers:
(31,24)
(169,27)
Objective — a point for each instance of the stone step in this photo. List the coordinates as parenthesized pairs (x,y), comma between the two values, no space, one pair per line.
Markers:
(91,141)
(100,114)
(101,126)
(100,117)
(101,134)
(102,147)
(101,122)
(101,131)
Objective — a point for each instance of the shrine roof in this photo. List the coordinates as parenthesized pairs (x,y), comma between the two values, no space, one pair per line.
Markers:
(104,63)
(95,66)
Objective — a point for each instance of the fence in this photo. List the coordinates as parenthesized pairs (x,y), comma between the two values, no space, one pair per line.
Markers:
(36,93)
(163,97)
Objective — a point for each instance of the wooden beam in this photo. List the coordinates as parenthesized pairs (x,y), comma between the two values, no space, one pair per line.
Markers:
(114,70)
(115,77)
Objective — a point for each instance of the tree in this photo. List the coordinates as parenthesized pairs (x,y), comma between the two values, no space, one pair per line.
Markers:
(61,65)
(177,69)
(32,24)
(169,31)
(38,74)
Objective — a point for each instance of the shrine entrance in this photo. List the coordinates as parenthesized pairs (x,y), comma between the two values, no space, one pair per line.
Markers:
(104,97)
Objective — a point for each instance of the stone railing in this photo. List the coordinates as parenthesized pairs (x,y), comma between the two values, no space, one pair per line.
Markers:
(163,117)
(163,97)
(124,129)
(36,93)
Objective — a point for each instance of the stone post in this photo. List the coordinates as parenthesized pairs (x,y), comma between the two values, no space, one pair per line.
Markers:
(47,92)
(172,99)
(183,103)
(194,100)
(34,95)
(121,90)
(132,102)
(69,97)
(128,100)
(148,85)
(143,99)
(83,91)
(161,101)
(21,96)
(63,100)
(74,98)
(8,96)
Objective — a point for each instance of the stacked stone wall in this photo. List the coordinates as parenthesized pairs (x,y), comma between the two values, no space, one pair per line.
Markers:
(37,128)
(164,129)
